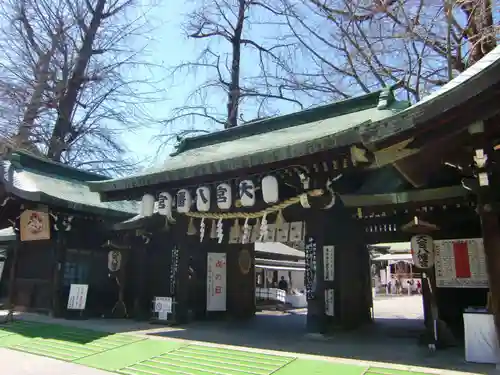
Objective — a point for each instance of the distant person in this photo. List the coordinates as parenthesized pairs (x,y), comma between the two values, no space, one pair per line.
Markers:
(389,287)
(283,285)
(419,287)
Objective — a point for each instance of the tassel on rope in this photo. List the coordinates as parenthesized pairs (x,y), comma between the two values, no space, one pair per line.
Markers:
(220,231)
(280,220)
(213,229)
(235,231)
(246,232)
(202,229)
(191,228)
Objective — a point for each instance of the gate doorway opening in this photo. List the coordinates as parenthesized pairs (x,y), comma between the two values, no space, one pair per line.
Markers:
(397,290)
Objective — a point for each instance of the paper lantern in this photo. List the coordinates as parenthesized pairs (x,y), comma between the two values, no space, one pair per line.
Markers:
(184,201)
(224,196)
(165,202)
(270,189)
(147,205)
(203,199)
(247,193)
(422,251)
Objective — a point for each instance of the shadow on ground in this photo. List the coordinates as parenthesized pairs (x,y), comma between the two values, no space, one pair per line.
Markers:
(386,340)
(44,331)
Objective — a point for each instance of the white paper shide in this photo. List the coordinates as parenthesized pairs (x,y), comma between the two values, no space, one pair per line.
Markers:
(77,296)
(216,282)
(422,251)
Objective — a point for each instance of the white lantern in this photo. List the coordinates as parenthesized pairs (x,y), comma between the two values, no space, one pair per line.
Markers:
(114,260)
(147,205)
(184,201)
(270,191)
(203,199)
(247,193)
(224,196)
(422,251)
(165,202)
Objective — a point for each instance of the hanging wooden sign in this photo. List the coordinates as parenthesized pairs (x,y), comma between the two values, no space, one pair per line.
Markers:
(203,199)
(184,201)
(34,226)
(224,196)
(247,193)
(270,189)
(165,204)
(422,251)
(114,260)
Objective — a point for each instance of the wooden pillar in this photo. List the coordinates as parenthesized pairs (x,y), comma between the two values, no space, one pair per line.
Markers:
(335,229)
(184,244)
(485,186)
(58,255)
(12,279)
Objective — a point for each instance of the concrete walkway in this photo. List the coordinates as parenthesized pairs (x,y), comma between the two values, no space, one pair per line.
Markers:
(18,363)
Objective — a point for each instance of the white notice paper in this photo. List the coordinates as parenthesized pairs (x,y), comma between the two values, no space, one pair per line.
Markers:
(329,262)
(77,296)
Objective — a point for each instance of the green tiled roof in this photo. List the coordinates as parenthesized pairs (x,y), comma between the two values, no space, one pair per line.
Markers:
(266,141)
(34,179)
(478,78)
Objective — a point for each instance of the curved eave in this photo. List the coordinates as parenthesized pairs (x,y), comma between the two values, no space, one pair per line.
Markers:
(473,83)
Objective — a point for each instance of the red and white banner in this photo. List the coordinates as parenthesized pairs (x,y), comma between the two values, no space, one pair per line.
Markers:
(460,263)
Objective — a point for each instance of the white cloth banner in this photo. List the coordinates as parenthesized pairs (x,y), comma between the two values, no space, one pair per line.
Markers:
(77,296)
(216,282)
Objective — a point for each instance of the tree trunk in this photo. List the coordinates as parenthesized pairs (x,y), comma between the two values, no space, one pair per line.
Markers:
(234,86)
(67,104)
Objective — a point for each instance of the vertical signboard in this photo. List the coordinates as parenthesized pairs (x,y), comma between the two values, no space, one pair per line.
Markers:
(310,267)
(330,302)
(216,282)
(329,262)
(174,266)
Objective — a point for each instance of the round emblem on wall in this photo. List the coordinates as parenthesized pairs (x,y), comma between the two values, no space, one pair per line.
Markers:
(245,261)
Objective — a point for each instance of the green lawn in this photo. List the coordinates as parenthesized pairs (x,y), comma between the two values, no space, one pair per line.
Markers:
(135,355)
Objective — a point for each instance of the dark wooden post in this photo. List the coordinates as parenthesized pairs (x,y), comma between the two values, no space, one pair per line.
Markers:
(351,282)
(59,254)
(482,186)
(12,279)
